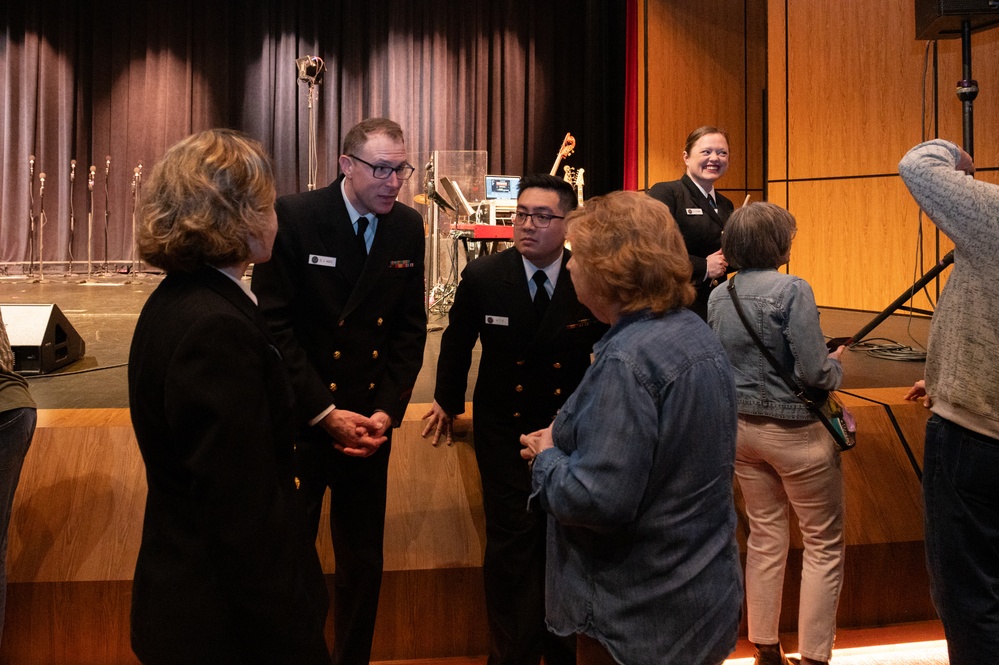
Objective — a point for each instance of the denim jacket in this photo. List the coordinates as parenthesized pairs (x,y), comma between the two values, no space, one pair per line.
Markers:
(783,310)
(641,529)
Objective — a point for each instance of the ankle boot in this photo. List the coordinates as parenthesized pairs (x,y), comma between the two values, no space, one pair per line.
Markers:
(769,654)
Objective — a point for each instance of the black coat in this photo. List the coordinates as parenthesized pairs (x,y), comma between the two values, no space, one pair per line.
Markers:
(352,337)
(225,572)
(527,368)
(701,227)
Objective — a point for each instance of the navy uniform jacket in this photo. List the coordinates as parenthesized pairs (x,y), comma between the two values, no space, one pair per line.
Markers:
(352,336)
(226,572)
(527,368)
(702,231)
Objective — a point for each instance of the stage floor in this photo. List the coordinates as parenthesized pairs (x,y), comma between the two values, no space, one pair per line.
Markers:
(104,311)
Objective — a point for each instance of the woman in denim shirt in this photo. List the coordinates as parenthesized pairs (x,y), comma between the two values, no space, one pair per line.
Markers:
(784,454)
(636,471)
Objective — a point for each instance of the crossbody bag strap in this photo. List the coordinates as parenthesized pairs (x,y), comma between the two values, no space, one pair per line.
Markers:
(816,409)
(784,374)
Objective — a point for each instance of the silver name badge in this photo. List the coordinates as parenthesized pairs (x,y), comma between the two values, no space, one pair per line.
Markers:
(497,320)
(694,211)
(328,261)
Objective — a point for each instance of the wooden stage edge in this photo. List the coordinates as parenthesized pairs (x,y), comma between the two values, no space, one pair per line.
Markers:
(77,520)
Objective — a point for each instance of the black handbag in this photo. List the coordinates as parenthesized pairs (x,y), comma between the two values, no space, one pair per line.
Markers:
(831,412)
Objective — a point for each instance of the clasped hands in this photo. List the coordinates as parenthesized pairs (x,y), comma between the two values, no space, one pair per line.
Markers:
(356,435)
(536,442)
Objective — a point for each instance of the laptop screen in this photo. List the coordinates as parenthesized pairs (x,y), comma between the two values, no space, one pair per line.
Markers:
(502,186)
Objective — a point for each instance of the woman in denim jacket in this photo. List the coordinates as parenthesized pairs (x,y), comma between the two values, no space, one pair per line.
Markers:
(783,453)
(636,471)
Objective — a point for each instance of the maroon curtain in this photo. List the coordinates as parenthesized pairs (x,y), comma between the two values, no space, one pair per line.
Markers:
(90,80)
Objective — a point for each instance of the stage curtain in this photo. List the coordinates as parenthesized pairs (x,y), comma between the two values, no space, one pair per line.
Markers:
(92,80)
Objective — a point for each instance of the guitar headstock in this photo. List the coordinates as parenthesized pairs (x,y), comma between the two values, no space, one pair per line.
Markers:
(568,145)
(578,181)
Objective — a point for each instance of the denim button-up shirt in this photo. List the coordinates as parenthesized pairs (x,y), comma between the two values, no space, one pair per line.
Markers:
(641,530)
(783,310)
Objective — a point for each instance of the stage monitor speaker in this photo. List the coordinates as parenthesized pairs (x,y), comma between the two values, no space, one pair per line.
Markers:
(41,337)
(941,19)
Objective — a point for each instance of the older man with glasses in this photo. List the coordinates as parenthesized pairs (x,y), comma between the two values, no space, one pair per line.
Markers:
(343,295)
(536,342)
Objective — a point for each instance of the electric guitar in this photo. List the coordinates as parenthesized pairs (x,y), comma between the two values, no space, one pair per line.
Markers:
(568,145)
(575,178)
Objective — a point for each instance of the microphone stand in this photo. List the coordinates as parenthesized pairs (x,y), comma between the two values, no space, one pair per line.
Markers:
(31,215)
(72,218)
(136,187)
(106,267)
(41,227)
(310,70)
(90,222)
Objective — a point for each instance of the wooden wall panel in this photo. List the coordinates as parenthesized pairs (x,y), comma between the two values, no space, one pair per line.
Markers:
(857,240)
(855,75)
(756,84)
(699,62)
(79,504)
(776,127)
(854,98)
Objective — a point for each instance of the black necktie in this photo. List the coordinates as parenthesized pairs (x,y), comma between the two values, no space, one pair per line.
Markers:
(711,202)
(541,297)
(362,226)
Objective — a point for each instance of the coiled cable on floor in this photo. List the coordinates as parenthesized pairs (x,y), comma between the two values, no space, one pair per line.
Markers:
(886,349)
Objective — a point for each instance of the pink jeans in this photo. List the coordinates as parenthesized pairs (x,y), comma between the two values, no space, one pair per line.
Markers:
(780,462)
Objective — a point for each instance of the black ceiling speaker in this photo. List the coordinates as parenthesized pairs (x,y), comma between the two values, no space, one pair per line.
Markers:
(942,19)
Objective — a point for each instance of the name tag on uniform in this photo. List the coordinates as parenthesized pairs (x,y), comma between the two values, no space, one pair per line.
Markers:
(328,261)
(497,320)
(694,211)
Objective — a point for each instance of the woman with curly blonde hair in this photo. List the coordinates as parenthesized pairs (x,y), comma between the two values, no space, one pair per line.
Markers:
(226,572)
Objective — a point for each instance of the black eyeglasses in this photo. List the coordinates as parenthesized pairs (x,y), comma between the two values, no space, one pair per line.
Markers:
(402,172)
(540,219)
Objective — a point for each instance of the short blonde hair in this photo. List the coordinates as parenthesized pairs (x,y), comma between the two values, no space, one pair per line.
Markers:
(631,249)
(208,194)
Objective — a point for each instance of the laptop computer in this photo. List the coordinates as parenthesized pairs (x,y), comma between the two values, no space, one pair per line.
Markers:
(502,187)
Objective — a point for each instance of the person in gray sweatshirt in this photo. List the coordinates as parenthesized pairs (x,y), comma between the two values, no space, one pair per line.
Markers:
(961,465)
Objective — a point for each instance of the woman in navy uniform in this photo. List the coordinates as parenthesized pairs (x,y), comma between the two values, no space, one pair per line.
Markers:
(699,210)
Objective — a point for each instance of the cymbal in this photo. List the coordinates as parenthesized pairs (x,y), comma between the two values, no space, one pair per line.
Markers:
(421,199)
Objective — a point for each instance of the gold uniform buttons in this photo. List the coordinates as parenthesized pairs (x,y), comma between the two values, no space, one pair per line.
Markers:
(332,387)
(521,362)
(519,389)
(516,414)
(379,321)
(558,391)
(298,483)
(371,386)
(374,354)
(342,323)
(336,355)
(557,365)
